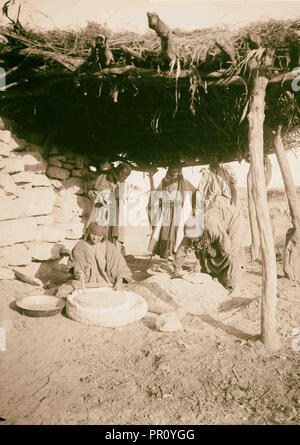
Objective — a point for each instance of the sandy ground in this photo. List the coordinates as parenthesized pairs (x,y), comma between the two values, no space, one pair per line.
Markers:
(216,371)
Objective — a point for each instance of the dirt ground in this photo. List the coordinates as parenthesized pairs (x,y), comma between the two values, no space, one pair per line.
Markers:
(215,371)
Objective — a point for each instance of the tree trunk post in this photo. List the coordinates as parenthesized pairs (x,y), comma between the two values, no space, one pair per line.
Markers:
(255,243)
(291,264)
(256,117)
(151,180)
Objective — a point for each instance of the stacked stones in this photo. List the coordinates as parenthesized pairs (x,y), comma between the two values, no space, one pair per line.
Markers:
(71,208)
(42,207)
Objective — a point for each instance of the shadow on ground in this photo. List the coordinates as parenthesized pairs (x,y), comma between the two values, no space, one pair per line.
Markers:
(235,303)
(228,329)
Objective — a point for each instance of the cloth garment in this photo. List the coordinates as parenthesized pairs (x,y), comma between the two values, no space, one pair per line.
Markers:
(220,248)
(119,245)
(110,207)
(215,183)
(117,231)
(181,254)
(105,185)
(169,209)
(102,264)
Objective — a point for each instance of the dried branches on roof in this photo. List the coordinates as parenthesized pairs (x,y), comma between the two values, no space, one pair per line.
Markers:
(184,94)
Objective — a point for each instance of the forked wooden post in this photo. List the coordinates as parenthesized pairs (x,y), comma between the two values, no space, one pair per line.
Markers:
(292,248)
(255,243)
(168,48)
(256,117)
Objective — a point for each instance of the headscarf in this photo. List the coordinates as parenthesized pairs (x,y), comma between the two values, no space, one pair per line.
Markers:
(105,166)
(123,169)
(169,181)
(98,230)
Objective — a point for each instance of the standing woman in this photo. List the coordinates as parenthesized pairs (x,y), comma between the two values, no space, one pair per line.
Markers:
(101,194)
(117,229)
(218,182)
(170,209)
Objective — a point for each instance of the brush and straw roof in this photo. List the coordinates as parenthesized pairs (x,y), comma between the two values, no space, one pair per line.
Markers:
(144,108)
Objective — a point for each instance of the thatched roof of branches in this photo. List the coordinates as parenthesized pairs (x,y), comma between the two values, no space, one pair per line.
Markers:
(150,99)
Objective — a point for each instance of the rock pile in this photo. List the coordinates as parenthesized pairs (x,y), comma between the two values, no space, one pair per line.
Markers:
(169,300)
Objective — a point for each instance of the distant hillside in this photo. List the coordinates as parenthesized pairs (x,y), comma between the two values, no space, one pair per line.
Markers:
(273,194)
(278,193)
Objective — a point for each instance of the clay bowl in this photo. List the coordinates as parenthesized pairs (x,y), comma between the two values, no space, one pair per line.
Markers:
(40,305)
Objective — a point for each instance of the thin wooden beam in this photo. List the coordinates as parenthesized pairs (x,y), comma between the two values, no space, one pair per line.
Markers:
(292,248)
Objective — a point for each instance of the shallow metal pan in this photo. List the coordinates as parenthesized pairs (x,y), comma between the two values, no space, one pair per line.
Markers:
(40,305)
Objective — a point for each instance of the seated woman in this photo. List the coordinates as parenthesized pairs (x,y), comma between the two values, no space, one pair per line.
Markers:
(220,249)
(97,261)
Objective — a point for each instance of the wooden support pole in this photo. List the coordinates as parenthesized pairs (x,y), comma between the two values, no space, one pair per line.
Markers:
(255,243)
(151,180)
(291,264)
(269,272)
(151,173)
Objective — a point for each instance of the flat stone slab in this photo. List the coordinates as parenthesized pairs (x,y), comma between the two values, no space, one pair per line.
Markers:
(197,293)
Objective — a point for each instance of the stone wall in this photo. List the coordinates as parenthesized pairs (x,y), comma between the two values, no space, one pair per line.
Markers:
(43,207)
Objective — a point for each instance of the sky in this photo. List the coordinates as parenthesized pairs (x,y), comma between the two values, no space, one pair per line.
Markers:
(241,170)
(131,15)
